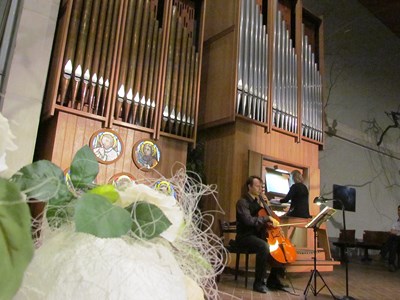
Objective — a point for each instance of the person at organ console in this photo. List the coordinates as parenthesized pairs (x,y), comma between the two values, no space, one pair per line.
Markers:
(251,230)
(298,195)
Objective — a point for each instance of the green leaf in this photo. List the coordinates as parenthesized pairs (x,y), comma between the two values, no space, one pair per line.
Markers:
(94,214)
(42,180)
(148,220)
(16,245)
(84,168)
(106,190)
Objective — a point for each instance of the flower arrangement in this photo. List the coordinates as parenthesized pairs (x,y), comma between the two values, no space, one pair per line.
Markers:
(16,246)
(97,241)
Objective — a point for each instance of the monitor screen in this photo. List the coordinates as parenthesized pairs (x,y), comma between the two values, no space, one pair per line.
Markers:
(347,195)
(276,182)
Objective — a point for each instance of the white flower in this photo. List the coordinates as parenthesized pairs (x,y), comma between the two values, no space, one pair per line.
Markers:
(168,205)
(75,265)
(6,142)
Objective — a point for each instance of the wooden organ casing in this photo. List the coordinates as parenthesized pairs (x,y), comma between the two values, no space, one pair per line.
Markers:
(240,141)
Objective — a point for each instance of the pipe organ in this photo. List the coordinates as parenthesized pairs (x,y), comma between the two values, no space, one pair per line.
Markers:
(252,63)
(311,91)
(247,73)
(132,66)
(261,102)
(133,63)
(284,105)
(181,83)
(278,78)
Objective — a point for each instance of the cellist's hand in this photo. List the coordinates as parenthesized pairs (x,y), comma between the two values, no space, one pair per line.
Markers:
(265,198)
(274,222)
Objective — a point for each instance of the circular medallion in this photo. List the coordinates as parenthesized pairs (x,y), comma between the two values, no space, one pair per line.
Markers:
(165,187)
(106,145)
(146,155)
(122,180)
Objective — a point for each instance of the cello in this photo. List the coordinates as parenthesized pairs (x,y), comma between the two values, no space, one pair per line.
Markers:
(280,248)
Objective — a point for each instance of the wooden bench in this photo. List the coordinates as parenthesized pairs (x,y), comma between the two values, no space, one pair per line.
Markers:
(372,240)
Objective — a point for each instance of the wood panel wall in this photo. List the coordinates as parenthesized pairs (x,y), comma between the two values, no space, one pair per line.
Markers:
(64,134)
(220,51)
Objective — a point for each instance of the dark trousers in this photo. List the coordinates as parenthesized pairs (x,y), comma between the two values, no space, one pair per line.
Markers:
(261,248)
(393,246)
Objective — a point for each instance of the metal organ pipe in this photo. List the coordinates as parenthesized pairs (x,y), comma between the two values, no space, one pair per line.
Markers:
(252,63)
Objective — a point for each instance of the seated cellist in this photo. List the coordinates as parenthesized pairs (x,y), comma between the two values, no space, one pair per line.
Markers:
(251,235)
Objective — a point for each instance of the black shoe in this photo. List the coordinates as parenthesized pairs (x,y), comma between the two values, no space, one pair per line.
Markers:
(259,287)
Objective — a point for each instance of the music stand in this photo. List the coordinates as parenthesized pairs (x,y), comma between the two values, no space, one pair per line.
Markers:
(315,223)
(318,201)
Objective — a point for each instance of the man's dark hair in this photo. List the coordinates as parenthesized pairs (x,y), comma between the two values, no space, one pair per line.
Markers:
(249,181)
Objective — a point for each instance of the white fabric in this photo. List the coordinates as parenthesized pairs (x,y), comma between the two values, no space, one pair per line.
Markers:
(396,227)
(78,266)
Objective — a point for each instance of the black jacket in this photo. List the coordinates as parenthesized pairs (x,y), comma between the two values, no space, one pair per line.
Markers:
(247,220)
(298,193)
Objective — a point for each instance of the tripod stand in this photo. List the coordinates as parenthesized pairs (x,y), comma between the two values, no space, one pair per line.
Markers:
(346,259)
(318,201)
(312,282)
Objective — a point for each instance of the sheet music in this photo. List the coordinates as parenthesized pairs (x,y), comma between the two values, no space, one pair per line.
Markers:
(322,217)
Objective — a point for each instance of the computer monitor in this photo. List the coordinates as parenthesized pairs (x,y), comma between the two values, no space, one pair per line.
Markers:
(276,183)
(347,195)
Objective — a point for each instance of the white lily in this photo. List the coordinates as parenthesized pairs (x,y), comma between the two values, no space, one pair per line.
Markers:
(168,205)
(6,143)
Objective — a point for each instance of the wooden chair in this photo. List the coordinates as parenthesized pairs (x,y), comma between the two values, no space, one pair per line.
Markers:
(227,227)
